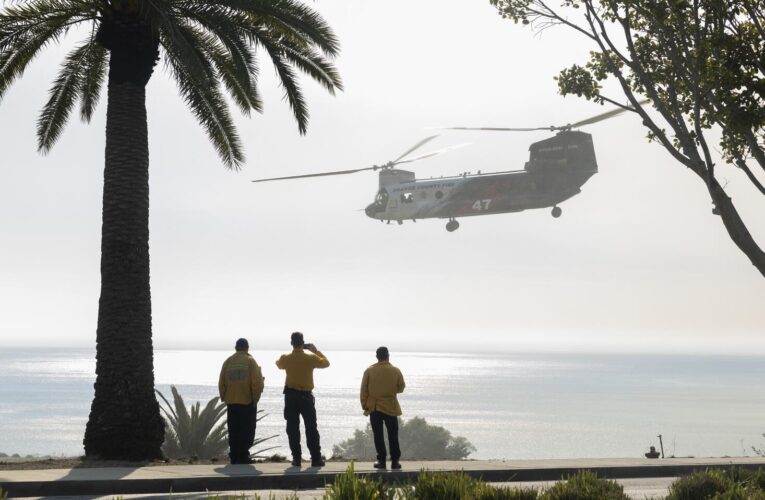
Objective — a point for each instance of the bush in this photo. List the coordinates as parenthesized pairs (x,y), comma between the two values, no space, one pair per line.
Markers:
(418,440)
(585,485)
(459,486)
(733,483)
(197,434)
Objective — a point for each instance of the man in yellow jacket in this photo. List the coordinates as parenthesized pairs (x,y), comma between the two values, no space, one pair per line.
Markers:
(379,386)
(240,385)
(298,398)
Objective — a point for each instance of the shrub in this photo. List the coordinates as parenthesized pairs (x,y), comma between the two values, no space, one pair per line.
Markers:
(699,485)
(459,486)
(733,483)
(198,433)
(418,440)
(757,479)
(349,486)
(585,485)
(3,494)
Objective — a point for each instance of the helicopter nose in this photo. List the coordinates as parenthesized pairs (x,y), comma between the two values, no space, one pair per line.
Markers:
(370,210)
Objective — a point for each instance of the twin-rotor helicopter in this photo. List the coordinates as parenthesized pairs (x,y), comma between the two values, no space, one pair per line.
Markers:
(556,170)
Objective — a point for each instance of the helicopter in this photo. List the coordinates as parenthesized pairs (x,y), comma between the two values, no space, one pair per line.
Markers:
(556,170)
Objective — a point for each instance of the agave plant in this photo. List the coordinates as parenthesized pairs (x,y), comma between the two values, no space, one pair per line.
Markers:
(199,433)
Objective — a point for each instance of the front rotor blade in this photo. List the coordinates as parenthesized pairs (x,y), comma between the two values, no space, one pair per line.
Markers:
(416,146)
(432,153)
(500,129)
(321,174)
(602,116)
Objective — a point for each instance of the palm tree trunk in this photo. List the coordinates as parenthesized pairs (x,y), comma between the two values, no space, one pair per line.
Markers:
(124,418)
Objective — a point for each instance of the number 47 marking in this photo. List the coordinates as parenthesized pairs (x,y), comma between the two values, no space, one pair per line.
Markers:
(481,204)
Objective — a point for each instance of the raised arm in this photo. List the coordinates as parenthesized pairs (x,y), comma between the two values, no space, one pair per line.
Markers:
(280,362)
(321,360)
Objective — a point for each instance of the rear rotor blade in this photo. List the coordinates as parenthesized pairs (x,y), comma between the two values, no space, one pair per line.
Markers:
(588,121)
(432,153)
(602,116)
(321,174)
(415,147)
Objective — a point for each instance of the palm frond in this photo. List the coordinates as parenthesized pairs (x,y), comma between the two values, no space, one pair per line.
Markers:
(288,81)
(235,77)
(233,57)
(19,22)
(16,57)
(66,87)
(288,15)
(315,66)
(94,74)
(203,96)
(229,27)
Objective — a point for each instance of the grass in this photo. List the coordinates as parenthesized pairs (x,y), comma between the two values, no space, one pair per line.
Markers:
(3,495)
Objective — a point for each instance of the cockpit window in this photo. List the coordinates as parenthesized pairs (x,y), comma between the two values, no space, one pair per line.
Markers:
(381,200)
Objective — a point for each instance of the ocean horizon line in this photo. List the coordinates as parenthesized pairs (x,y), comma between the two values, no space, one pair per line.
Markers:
(447,350)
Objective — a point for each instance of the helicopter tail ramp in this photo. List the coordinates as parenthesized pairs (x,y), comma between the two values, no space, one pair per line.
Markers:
(570,149)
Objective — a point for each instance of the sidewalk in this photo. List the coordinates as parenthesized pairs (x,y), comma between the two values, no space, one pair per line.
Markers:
(282,476)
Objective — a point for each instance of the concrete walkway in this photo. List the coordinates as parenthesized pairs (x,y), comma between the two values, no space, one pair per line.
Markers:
(281,476)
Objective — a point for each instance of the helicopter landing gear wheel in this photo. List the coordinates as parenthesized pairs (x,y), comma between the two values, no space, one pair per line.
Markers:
(556,212)
(452,225)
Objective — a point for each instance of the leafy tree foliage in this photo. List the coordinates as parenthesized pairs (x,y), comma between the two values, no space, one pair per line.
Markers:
(699,62)
(418,440)
(200,432)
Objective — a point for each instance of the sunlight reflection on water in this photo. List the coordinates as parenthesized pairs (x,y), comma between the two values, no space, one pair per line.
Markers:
(508,405)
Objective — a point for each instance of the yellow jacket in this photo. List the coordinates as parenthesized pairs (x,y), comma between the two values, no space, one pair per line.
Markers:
(240,381)
(379,386)
(299,366)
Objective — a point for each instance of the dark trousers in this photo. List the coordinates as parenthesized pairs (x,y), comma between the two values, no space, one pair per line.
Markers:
(297,404)
(241,420)
(377,419)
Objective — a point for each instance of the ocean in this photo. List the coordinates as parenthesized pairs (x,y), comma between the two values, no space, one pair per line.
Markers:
(510,406)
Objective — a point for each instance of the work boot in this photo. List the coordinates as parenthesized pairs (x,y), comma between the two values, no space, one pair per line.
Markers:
(318,462)
(296,462)
(395,464)
(380,464)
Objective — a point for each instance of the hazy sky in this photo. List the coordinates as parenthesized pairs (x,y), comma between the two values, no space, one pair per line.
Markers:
(637,260)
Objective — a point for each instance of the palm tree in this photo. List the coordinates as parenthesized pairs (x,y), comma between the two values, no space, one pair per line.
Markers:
(210,48)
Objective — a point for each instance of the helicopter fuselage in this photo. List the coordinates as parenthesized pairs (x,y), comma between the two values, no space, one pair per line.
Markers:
(557,169)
